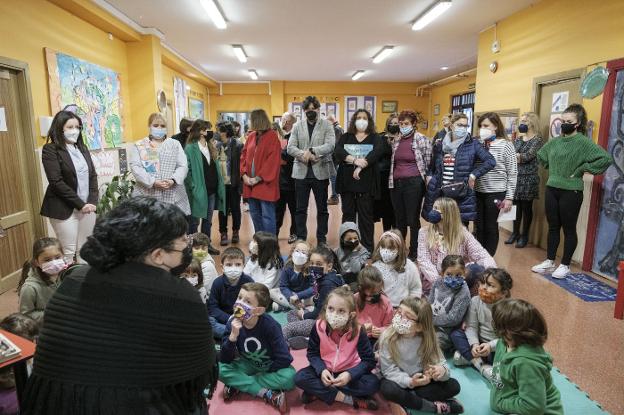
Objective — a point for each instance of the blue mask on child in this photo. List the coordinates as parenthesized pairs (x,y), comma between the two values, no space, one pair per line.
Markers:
(453,282)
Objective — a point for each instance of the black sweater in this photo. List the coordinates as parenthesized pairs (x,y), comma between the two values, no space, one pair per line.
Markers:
(370,149)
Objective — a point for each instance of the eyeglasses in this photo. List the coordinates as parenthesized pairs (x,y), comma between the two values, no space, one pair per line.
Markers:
(189,243)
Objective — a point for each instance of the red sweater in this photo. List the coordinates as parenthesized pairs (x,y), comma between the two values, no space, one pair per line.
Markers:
(380,314)
(267,156)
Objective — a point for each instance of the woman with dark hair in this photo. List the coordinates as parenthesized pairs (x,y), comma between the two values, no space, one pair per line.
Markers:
(567,159)
(204,183)
(409,167)
(383,208)
(357,180)
(72,192)
(126,335)
(495,189)
(260,168)
(229,149)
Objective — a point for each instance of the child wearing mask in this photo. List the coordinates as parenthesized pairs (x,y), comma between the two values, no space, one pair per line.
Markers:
(373,306)
(295,290)
(193,274)
(351,254)
(265,261)
(201,242)
(225,289)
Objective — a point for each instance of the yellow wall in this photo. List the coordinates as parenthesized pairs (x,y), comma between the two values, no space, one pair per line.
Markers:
(441,95)
(27,26)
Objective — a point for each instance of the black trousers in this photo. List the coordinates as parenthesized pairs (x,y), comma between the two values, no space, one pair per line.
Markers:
(486,224)
(407,196)
(287,197)
(413,398)
(524,216)
(302,190)
(383,209)
(358,207)
(562,211)
(232,205)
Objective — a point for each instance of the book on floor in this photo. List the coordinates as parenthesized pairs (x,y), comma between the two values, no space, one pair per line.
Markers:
(8,350)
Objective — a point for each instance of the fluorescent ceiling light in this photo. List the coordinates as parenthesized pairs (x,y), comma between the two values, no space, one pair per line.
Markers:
(215,14)
(431,14)
(383,54)
(253,74)
(357,75)
(240,53)
(444,68)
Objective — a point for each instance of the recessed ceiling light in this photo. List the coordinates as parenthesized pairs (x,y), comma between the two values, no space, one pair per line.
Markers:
(444,68)
(431,14)
(215,14)
(240,53)
(357,75)
(188,88)
(383,54)
(253,74)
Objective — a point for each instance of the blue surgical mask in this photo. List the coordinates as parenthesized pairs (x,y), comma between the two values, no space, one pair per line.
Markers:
(158,133)
(406,130)
(460,132)
(435,216)
(453,282)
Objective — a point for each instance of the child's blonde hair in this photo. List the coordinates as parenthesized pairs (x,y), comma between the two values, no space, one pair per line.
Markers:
(450,227)
(429,351)
(346,294)
(394,238)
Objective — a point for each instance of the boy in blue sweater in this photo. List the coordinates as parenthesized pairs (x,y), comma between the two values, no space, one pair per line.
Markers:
(225,289)
(254,355)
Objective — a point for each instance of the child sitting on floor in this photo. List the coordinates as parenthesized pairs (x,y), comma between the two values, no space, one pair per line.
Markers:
(414,372)
(194,275)
(373,306)
(477,344)
(201,242)
(521,380)
(254,355)
(449,299)
(351,254)
(295,290)
(265,262)
(340,356)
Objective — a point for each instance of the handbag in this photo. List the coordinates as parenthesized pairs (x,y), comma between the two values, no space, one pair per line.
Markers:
(457,190)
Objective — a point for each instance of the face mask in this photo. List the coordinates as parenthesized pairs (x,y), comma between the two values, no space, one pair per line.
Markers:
(311,116)
(53,267)
(374,299)
(192,280)
(72,135)
(253,248)
(335,320)
(406,130)
(435,216)
(209,135)
(187,257)
(486,134)
(453,282)
(299,258)
(361,125)
(488,297)
(460,132)
(232,273)
(393,129)
(401,325)
(351,244)
(316,272)
(242,310)
(388,255)
(523,128)
(200,255)
(567,128)
(158,133)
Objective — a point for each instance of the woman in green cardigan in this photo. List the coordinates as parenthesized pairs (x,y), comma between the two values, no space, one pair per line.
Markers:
(204,184)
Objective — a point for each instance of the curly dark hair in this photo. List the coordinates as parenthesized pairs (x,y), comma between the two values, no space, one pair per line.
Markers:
(311,100)
(520,322)
(500,275)
(581,116)
(370,129)
(227,128)
(409,114)
(131,231)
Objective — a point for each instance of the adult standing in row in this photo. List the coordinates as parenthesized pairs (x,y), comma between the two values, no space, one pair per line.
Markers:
(72,192)
(312,145)
(496,188)
(229,149)
(260,168)
(185,129)
(338,132)
(527,187)
(446,128)
(287,183)
(383,209)
(409,165)
(358,181)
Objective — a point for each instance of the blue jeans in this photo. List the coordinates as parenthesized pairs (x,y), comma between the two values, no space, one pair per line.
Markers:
(218,329)
(262,215)
(206,225)
(364,387)
(460,341)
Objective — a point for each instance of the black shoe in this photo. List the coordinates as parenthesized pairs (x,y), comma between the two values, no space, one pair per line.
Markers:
(213,251)
(235,237)
(522,242)
(512,238)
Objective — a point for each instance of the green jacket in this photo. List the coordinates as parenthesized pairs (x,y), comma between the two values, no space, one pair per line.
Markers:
(195,186)
(522,383)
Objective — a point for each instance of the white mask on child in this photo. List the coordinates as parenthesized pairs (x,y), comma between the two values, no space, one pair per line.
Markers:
(232,273)
(192,280)
(335,320)
(388,255)
(299,258)
(53,267)
(401,325)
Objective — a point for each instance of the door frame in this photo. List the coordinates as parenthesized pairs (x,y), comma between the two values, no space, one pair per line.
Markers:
(541,81)
(30,134)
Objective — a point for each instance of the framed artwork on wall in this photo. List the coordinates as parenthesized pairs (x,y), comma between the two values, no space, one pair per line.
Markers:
(389,106)
(436,109)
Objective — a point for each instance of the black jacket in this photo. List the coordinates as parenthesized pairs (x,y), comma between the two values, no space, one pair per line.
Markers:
(61,197)
(235,154)
(287,183)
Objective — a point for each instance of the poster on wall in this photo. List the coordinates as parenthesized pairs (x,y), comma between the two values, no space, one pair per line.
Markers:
(180,100)
(560,101)
(327,108)
(353,103)
(295,109)
(555,125)
(96,93)
(196,109)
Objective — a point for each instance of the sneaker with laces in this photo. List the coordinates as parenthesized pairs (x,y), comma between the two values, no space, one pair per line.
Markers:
(277,399)
(544,267)
(561,272)
(487,373)
(298,342)
(459,360)
(450,406)
(229,393)
(365,403)
(292,238)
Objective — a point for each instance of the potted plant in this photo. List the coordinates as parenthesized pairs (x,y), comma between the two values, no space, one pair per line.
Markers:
(119,189)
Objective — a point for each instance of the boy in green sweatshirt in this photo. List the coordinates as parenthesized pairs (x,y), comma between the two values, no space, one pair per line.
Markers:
(521,380)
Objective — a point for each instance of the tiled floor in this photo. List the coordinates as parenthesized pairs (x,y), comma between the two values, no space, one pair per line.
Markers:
(586,342)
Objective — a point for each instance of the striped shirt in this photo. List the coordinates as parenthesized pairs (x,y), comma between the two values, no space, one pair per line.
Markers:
(448,171)
(502,178)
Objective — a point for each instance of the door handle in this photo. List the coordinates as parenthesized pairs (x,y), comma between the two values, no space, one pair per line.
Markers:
(3,232)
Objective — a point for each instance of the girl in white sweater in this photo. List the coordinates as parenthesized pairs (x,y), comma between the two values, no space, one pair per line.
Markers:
(265,262)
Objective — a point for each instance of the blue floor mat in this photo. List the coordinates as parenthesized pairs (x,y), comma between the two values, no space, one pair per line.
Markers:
(585,287)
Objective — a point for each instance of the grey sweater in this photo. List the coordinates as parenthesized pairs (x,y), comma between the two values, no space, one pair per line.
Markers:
(479,327)
(35,294)
(401,372)
(449,306)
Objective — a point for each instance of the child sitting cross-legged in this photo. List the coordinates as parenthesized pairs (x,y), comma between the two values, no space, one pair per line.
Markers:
(201,243)
(254,355)
(373,306)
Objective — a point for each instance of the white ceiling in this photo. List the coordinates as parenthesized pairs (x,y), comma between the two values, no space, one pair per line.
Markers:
(323,40)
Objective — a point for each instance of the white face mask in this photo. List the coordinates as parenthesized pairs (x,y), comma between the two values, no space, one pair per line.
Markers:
(53,267)
(361,124)
(485,133)
(253,248)
(158,132)
(192,280)
(401,325)
(335,320)
(388,255)
(232,273)
(299,258)
(72,135)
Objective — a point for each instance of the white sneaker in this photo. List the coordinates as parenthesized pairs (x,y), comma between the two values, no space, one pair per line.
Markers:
(561,272)
(544,267)
(459,360)
(275,307)
(487,372)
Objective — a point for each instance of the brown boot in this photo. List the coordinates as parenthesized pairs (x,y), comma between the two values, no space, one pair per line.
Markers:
(235,237)
(224,239)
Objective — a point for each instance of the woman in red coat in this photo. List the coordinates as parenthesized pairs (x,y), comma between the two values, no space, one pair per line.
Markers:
(260,168)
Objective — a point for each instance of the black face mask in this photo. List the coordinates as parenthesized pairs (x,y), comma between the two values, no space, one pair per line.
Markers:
(316,272)
(209,135)
(567,128)
(311,116)
(351,244)
(187,257)
(523,128)
(394,129)
(374,299)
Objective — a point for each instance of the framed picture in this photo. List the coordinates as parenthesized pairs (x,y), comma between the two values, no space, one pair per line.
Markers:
(436,109)
(277,119)
(389,106)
